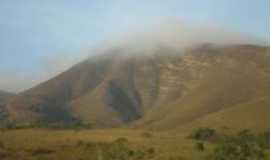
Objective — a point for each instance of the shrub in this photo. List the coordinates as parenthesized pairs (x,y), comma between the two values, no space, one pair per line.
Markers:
(80,143)
(139,155)
(151,152)
(116,150)
(244,146)
(147,135)
(42,151)
(264,139)
(2,145)
(4,154)
(121,140)
(10,126)
(199,146)
(245,136)
(204,134)
(176,158)
(236,151)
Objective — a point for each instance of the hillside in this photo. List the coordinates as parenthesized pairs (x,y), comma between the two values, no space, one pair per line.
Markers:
(4,98)
(233,93)
(164,89)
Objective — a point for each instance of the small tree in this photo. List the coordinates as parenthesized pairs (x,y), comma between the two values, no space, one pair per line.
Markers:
(204,134)
(199,146)
(264,139)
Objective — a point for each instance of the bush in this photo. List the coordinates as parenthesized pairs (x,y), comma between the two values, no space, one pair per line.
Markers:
(244,146)
(238,151)
(199,146)
(42,151)
(80,143)
(264,139)
(204,134)
(151,152)
(176,158)
(121,140)
(147,135)
(116,150)
(2,145)
(119,150)
(246,136)
(4,154)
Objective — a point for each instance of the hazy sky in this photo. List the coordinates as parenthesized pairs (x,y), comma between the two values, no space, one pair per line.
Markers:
(39,38)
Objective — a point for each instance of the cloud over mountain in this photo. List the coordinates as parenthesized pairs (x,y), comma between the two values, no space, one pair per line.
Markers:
(172,34)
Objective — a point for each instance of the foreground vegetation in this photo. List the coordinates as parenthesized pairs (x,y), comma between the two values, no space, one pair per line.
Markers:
(72,144)
(245,145)
(131,144)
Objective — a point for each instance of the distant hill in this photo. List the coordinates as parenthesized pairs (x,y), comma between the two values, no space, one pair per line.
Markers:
(4,98)
(216,86)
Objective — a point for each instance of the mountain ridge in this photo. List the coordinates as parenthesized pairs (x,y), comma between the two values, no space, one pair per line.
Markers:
(165,90)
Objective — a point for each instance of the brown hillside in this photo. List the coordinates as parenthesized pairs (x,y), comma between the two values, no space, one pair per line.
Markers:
(165,89)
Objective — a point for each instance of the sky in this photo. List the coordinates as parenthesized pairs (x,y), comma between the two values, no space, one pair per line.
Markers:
(39,39)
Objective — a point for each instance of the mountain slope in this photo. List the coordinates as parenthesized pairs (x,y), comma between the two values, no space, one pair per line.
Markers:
(231,77)
(164,89)
(253,114)
(4,98)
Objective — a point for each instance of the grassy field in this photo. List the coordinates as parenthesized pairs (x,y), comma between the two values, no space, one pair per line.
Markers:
(103,144)
(46,144)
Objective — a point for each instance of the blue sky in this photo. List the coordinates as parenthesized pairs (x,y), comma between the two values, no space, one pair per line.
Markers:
(34,30)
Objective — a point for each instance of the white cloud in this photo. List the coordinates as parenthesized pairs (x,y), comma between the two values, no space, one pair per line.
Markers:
(169,33)
(180,35)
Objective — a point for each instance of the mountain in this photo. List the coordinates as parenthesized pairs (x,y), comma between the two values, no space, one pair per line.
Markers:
(231,91)
(4,98)
(165,88)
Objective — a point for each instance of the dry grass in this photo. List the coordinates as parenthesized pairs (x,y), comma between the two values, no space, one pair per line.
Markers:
(70,145)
